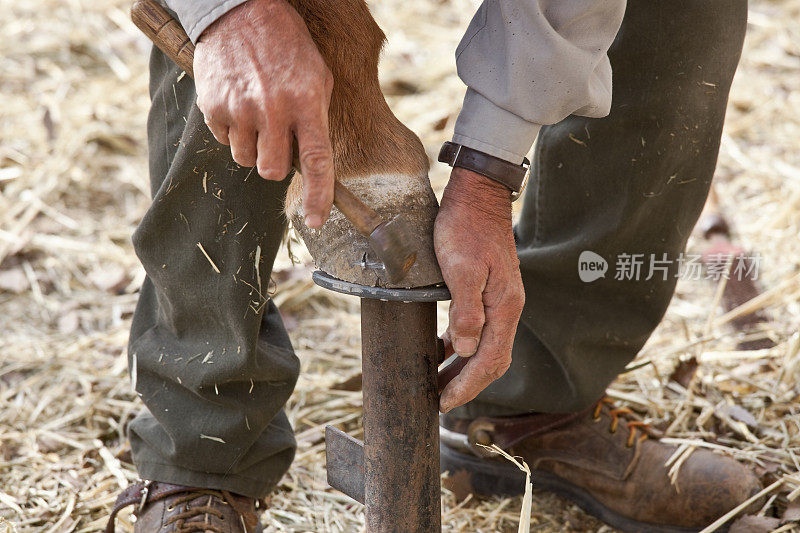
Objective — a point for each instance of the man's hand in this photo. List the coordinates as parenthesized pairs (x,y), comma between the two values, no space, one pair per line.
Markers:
(260,81)
(475,248)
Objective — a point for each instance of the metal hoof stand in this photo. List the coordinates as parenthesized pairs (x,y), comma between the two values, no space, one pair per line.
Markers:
(395,471)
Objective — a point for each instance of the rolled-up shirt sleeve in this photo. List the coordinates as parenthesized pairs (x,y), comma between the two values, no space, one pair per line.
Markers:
(527,63)
(197,15)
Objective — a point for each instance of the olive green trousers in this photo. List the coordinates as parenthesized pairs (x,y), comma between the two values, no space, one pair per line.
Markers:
(211,359)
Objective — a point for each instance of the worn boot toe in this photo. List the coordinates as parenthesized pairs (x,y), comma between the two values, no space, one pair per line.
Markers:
(610,464)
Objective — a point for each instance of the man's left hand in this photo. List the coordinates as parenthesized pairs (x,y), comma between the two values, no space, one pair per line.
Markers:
(474,244)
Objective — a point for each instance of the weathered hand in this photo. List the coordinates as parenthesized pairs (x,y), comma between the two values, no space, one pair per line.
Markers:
(260,81)
(475,247)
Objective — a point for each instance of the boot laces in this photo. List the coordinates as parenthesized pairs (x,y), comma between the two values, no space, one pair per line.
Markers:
(201,511)
(624,413)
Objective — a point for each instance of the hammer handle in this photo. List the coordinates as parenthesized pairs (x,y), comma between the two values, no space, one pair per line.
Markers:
(165,32)
(169,36)
(362,216)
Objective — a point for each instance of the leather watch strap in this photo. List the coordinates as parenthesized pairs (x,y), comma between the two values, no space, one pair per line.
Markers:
(494,168)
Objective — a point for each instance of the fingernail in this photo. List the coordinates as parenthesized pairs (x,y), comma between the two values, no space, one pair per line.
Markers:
(465,346)
(444,408)
(313,221)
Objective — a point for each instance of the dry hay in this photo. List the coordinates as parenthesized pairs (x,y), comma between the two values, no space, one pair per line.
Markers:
(73,186)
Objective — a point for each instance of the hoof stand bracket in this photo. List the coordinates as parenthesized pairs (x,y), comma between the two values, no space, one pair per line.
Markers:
(395,471)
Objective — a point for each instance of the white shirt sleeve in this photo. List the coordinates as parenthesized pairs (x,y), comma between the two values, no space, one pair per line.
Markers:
(532,62)
(197,15)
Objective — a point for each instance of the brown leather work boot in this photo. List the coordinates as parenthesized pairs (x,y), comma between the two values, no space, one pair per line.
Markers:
(167,508)
(611,466)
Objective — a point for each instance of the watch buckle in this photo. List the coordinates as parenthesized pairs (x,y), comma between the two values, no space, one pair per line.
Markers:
(527,164)
(455,157)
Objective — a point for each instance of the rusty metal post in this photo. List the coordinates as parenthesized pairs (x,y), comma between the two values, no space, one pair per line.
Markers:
(401,428)
(395,471)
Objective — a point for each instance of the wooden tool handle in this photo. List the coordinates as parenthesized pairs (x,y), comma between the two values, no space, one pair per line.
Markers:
(168,35)
(165,32)
(363,217)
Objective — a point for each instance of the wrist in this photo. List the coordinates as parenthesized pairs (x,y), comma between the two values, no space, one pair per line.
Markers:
(478,192)
(245,14)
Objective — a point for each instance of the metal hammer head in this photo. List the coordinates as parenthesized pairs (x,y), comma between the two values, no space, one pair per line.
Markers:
(391,242)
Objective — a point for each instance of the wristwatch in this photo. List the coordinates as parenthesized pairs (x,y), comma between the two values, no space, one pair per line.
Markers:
(512,176)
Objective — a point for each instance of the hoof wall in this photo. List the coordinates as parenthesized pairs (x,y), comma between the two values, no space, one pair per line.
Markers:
(342,252)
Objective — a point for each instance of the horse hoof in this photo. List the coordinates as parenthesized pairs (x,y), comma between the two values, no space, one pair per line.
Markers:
(341,251)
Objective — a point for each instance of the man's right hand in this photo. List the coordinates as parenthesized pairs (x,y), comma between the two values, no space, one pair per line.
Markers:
(260,82)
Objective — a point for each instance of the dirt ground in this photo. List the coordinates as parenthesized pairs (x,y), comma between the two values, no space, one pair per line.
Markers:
(73,186)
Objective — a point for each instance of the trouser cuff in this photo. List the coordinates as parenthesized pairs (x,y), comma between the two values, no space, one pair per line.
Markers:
(245,486)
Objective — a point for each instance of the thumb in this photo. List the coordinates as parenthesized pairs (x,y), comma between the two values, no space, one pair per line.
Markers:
(466,313)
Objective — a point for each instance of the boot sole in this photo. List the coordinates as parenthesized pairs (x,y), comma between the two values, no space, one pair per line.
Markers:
(500,479)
